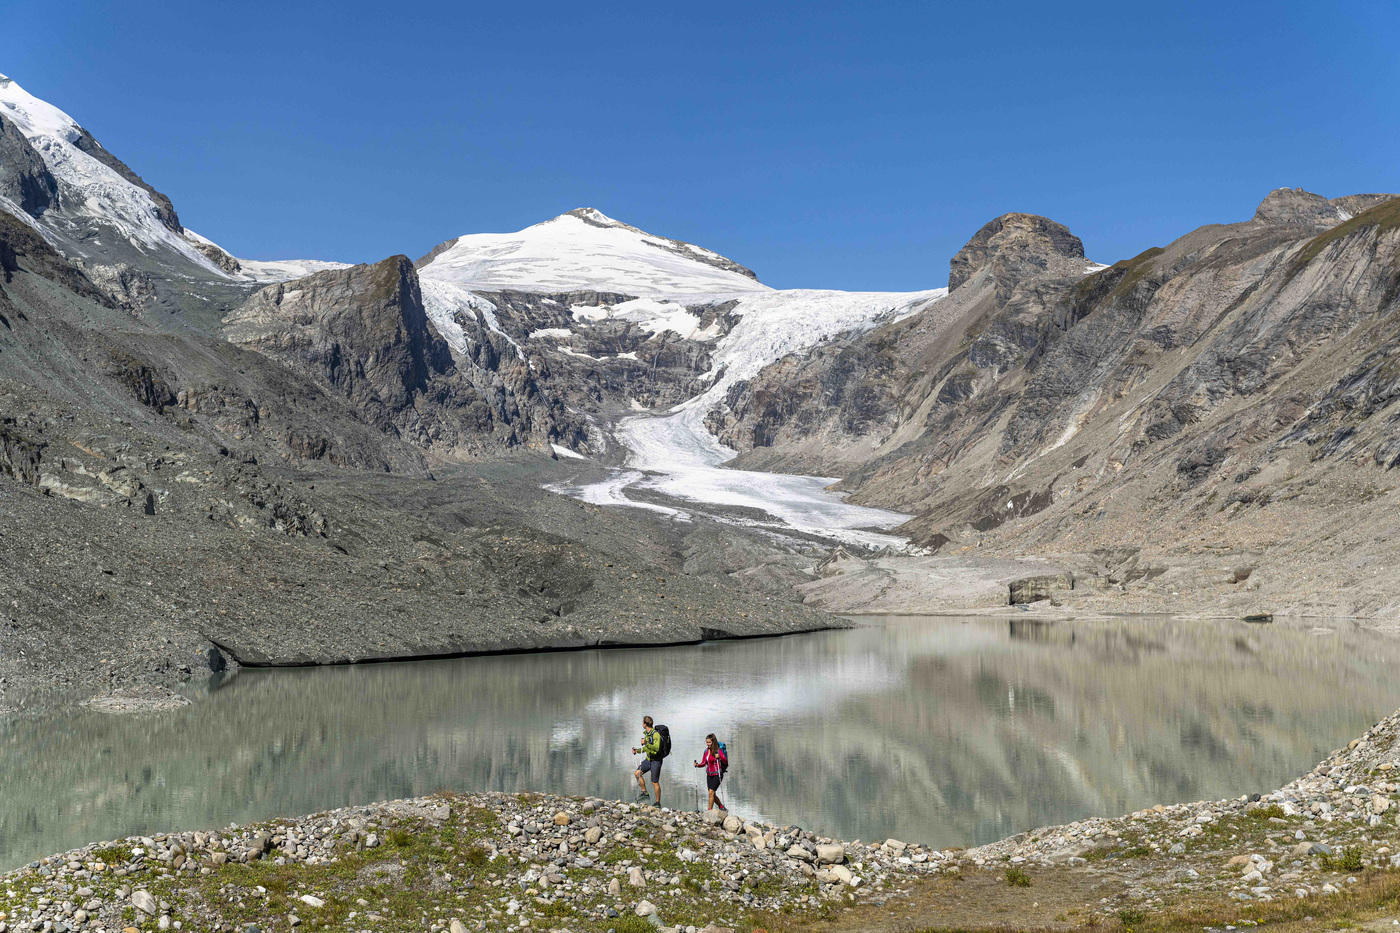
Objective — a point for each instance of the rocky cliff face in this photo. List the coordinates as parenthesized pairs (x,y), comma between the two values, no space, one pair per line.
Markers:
(1018,244)
(24,179)
(363,333)
(1185,393)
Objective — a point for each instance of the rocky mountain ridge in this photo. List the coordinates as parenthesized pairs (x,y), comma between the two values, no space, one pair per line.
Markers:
(1231,389)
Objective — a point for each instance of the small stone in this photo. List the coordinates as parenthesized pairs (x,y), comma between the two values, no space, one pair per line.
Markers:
(614,887)
(144,902)
(732,824)
(592,835)
(635,878)
(645,908)
(831,854)
(561,818)
(312,900)
(456,926)
(895,845)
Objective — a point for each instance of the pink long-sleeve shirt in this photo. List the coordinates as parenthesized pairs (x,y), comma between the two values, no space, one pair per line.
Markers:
(711,762)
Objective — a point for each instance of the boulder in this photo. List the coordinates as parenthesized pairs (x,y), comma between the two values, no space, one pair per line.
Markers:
(561,818)
(592,835)
(145,902)
(831,854)
(635,878)
(732,824)
(645,908)
(800,854)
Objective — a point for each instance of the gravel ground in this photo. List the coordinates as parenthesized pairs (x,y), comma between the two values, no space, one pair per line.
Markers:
(129,559)
(454,862)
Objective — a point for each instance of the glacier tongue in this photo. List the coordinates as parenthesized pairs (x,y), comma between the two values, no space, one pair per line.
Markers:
(676,456)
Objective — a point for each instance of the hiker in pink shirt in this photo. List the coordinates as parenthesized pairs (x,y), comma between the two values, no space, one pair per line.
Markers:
(715,762)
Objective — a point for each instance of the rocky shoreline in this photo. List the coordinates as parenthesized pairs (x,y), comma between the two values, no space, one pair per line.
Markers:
(495,861)
(479,861)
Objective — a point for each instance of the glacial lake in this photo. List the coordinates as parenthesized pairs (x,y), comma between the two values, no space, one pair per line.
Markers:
(949,731)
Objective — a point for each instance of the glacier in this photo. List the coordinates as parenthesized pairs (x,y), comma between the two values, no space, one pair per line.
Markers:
(672,455)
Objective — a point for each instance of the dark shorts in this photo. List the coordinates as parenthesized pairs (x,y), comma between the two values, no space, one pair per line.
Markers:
(651,767)
(712,781)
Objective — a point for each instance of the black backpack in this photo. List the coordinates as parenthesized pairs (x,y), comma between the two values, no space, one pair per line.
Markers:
(665,742)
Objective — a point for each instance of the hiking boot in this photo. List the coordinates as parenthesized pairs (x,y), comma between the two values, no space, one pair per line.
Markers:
(644,796)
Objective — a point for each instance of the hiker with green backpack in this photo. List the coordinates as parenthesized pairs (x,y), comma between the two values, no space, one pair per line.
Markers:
(715,761)
(656,743)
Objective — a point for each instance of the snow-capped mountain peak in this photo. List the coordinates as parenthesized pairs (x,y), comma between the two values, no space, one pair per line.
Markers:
(33,116)
(585,249)
(99,198)
(93,207)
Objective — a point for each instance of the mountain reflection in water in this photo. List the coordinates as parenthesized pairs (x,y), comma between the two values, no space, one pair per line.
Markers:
(943,730)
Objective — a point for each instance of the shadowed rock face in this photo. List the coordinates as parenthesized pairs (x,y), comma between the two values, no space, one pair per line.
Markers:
(363,332)
(24,178)
(360,330)
(1019,243)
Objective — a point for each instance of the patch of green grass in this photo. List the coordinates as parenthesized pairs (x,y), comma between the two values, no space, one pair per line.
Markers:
(1017,877)
(112,855)
(400,839)
(1383,216)
(630,924)
(1129,273)
(1129,916)
(1349,859)
(1134,270)
(478,856)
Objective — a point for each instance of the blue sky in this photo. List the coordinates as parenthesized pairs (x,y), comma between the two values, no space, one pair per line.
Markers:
(824,145)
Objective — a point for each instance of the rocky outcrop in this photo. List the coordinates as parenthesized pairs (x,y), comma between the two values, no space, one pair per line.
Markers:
(19,454)
(24,178)
(1298,208)
(1019,244)
(360,330)
(22,247)
(363,332)
(218,257)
